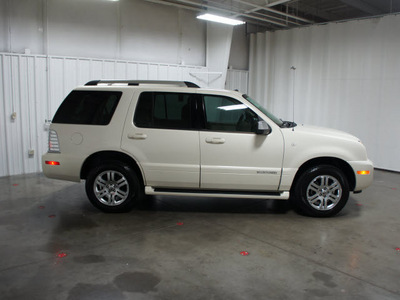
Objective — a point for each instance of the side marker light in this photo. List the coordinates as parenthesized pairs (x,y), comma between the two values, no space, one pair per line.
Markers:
(363,172)
(52,163)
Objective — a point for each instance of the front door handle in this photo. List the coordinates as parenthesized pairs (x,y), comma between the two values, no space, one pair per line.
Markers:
(137,136)
(215,140)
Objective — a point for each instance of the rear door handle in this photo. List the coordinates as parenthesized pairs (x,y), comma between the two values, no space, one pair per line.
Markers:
(137,136)
(215,140)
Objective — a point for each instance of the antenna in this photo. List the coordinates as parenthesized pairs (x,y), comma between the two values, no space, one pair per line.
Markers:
(294,80)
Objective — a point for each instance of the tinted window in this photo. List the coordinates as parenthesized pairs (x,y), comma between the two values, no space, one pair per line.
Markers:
(164,110)
(227,114)
(88,107)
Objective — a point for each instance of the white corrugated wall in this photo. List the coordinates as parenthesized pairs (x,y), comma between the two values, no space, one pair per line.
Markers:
(33,86)
(347,77)
(237,80)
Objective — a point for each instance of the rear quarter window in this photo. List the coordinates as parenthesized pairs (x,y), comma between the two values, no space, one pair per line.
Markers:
(88,108)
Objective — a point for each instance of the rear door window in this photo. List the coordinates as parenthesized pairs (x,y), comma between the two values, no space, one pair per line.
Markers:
(88,108)
(165,110)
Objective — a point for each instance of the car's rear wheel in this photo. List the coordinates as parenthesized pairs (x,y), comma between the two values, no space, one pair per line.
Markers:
(113,187)
(321,191)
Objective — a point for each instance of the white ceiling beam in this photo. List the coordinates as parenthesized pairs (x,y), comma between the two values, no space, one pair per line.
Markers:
(363,6)
(273,11)
(230,12)
(175,5)
(277,3)
(268,5)
(276,18)
(323,14)
(255,11)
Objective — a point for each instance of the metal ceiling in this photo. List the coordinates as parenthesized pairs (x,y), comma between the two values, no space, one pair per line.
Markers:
(272,15)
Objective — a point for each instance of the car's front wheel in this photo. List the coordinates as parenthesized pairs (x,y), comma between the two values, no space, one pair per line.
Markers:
(321,191)
(113,187)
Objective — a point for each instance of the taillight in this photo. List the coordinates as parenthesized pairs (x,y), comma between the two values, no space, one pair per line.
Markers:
(54,145)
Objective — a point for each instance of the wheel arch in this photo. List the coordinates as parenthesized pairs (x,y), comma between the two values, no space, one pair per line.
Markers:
(102,156)
(332,161)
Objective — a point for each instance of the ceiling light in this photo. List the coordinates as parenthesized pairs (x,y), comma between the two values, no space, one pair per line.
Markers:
(219,19)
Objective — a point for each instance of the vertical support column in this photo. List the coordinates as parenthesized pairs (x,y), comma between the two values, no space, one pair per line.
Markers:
(219,39)
(119,29)
(260,64)
(8,34)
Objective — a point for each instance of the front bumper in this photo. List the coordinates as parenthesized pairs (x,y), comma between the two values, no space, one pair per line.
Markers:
(362,180)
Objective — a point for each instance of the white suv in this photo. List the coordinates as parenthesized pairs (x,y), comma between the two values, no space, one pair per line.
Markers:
(130,138)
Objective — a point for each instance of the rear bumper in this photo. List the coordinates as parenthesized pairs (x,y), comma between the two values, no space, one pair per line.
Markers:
(362,181)
(66,169)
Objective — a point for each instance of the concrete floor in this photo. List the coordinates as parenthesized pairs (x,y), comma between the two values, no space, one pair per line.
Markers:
(55,245)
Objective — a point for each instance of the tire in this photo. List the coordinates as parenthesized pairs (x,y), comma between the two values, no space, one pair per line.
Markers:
(321,191)
(113,187)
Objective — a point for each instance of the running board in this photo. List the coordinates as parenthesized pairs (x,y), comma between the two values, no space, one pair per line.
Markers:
(216,193)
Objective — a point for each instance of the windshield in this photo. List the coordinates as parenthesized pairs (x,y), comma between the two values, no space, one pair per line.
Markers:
(277,121)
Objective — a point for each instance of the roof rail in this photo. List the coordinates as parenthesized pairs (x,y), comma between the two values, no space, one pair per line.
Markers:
(139,82)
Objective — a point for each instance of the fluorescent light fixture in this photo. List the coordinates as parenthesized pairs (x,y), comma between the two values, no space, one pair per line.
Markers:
(219,19)
(233,107)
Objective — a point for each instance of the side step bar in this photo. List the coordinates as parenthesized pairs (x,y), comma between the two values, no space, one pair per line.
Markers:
(217,194)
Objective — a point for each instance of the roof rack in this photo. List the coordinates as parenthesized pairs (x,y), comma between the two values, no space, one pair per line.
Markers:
(139,82)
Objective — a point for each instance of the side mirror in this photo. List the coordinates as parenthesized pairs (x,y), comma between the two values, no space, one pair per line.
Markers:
(263,128)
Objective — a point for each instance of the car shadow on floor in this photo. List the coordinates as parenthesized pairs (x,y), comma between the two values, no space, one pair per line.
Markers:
(214,205)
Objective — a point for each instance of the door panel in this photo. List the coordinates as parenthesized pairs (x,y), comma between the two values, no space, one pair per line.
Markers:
(163,140)
(234,157)
(176,165)
(243,162)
